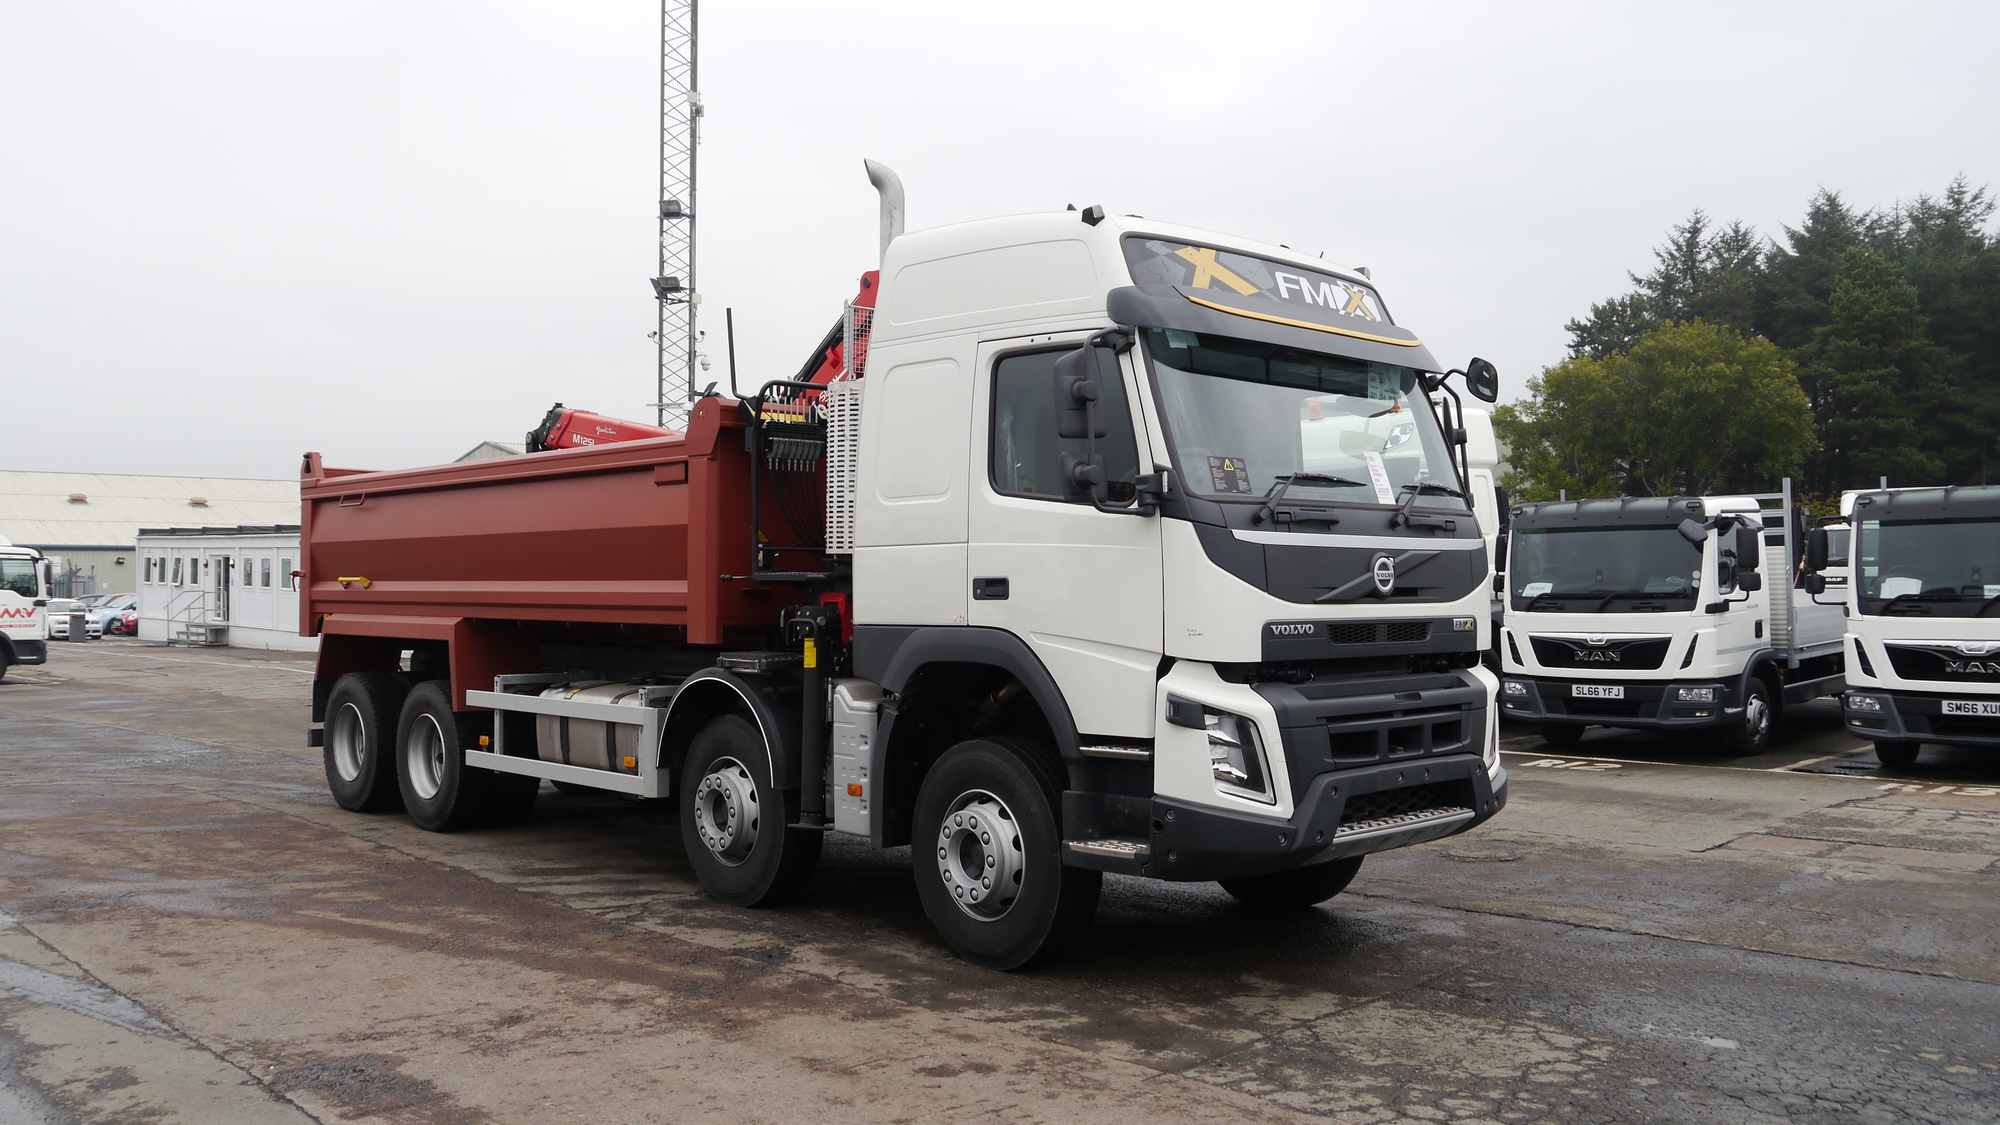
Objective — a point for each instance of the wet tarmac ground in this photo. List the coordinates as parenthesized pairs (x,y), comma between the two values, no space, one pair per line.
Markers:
(1651,932)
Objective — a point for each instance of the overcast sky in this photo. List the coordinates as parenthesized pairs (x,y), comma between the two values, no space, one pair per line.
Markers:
(230,233)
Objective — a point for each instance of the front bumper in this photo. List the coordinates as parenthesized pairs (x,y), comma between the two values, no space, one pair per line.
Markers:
(1343,813)
(31,652)
(1918,717)
(1645,705)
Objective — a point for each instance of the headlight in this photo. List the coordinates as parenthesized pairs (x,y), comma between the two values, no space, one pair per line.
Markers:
(1863,703)
(1514,687)
(1236,757)
(1695,694)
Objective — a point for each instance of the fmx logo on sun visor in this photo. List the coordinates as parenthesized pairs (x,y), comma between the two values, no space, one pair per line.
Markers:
(1159,262)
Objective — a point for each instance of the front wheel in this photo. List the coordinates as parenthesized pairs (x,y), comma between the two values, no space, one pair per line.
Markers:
(1897,755)
(1295,889)
(736,825)
(987,854)
(1751,734)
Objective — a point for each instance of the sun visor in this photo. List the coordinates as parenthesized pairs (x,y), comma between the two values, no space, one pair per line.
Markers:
(1309,327)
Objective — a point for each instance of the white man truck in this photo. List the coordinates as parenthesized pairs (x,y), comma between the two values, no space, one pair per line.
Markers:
(1922,595)
(1663,613)
(1084,544)
(24,599)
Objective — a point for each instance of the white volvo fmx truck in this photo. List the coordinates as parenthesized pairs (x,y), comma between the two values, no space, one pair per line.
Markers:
(1085,544)
(1663,613)
(1922,594)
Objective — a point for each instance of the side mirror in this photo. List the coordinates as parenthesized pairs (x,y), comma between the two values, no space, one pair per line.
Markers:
(1816,550)
(1483,380)
(1749,547)
(1076,395)
(1749,581)
(1815,584)
(1502,501)
(1694,532)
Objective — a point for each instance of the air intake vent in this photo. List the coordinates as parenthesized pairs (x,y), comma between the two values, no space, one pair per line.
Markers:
(840,405)
(1382,632)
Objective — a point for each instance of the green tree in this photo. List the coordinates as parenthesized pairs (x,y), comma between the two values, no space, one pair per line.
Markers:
(1701,272)
(1692,409)
(1875,380)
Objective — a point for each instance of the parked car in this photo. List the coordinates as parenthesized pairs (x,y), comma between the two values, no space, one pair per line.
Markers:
(104,612)
(126,624)
(60,612)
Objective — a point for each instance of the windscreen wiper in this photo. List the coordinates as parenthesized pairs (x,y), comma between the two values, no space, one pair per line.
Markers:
(1627,594)
(1403,517)
(1989,603)
(1283,483)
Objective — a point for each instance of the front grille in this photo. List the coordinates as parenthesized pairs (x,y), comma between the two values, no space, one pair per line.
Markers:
(1359,739)
(1400,802)
(1382,632)
(1558,652)
(1964,726)
(1943,665)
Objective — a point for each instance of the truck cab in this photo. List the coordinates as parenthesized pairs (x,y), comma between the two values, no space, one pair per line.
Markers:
(24,598)
(1921,586)
(1663,613)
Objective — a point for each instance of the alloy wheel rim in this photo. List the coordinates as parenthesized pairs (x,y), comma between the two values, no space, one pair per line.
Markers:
(425,755)
(979,855)
(348,739)
(727,815)
(1760,717)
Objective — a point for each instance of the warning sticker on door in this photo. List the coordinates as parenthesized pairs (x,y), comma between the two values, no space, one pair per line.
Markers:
(1230,474)
(1378,475)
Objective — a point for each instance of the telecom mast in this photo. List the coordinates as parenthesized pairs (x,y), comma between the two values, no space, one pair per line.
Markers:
(674,286)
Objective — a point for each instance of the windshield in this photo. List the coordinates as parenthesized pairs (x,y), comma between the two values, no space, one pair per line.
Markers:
(64,605)
(1936,568)
(1617,569)
(1244,417)
(17,576)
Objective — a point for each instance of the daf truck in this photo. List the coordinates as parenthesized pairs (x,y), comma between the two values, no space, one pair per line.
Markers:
(1083,544)
(24,599)
(1921,587)
(1664,613)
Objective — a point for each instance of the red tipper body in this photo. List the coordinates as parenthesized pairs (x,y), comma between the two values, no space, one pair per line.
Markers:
(626,542)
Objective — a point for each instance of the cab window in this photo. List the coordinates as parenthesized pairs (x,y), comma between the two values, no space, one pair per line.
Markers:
(1025,455)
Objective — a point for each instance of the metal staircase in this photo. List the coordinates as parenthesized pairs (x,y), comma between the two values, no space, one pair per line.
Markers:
(190,623)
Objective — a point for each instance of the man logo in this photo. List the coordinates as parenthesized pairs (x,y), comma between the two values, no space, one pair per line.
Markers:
(1385,575)
(1973,667)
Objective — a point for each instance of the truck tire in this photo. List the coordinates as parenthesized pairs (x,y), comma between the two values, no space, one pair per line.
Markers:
(738,827)
(1295,889)
(1564,735)
(1752,733)
(440,792)
(360,737)
(1897,755)
(988,854)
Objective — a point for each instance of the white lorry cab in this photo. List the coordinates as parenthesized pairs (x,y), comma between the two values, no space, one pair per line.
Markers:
(1918,572)
(24,597)
(1664,612)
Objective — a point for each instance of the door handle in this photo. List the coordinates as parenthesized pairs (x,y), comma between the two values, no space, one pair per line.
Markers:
(989,589)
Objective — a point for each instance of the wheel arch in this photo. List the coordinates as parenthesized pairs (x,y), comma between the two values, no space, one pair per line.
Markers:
(712,692)
(951,683)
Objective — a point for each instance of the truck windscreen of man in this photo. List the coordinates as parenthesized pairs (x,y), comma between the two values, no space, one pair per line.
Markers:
(1933,567)
(1620,569)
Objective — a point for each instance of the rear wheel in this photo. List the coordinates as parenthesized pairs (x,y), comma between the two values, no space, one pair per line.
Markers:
(360,739)
(1751,734)
(735,824)
(1562,734)
(1295,889)
(987,854)
(1897,755)
(442,793)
